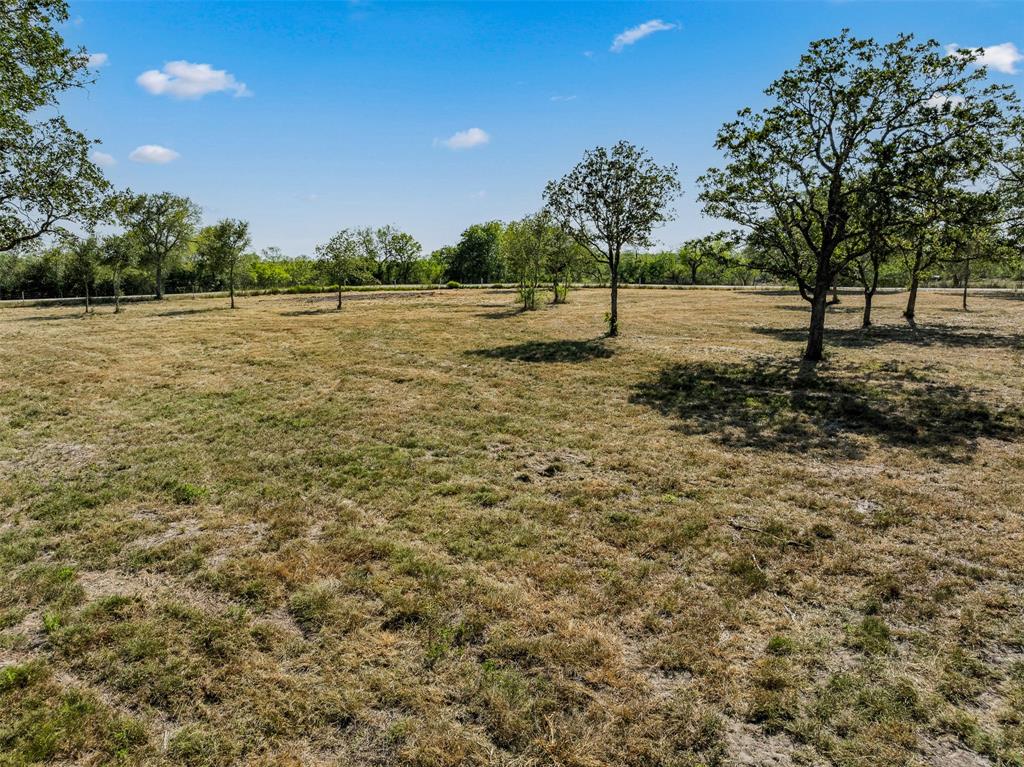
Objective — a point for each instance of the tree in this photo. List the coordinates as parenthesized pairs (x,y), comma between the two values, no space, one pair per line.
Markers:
(392,252)
(221,246)
(477,256)
(611,199)
(85,254)
(46,177)
(118,253)
(522,249)
(401,251)
(163,225)
(854,120)
(343,260)
(564,259)
(697,253)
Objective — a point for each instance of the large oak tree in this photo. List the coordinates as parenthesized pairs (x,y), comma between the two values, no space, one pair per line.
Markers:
(854,121)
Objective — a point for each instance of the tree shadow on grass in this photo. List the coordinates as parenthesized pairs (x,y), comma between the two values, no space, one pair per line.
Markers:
(549,351)
(186,312)
(913,334)
(49,317)
(796,408)
(333,309)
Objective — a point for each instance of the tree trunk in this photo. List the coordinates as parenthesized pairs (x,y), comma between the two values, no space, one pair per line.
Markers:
(339,295)
(159,280)
(231,286)
(613,315)
(835,295)
(86,296)
(693,274)
(869,295)
(117,293)
(915,276)
(967,279)
(815,351)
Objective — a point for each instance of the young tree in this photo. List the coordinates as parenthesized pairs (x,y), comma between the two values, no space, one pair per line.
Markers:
(163,225)
(46,176)
(564,258)
(611,199)
(343,260)
(848,121)
(85,254)
(221,246)
(523,252)
(118,253)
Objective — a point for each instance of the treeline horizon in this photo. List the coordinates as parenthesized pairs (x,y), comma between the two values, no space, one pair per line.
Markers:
(476,259)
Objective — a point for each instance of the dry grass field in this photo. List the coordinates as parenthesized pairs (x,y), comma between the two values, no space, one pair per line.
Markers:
(429,530)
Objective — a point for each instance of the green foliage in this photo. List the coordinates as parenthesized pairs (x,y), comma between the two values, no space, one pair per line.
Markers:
(47,178)
(220,248)
(162,225)
(856,135)
(477,256)
(611,199)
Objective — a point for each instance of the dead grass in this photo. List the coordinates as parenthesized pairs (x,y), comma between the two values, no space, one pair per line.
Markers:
(429,531)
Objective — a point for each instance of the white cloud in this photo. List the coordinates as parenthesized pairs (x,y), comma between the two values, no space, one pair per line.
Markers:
(1001,58)
(97,60)
(563,98)
(154,154)
(467,139)
(103,159)
(639,32)
(185,80)
(939,100)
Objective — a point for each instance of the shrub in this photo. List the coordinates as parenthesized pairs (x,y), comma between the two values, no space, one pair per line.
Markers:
(453,284)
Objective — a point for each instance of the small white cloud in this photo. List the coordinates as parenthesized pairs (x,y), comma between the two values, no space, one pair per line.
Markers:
(153,154)
(103,159)
(480,195)
(311,197)
(588,54)
(1001,58)
(467,139)
(939,100)
(185,80)
(563,98)
(639,32)
(97,60)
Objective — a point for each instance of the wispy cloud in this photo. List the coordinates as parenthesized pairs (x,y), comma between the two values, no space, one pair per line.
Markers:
(97,60)
(185,80)
(153,154)
(563,98)
(466,139)
(102,159)
(1001,58)
(639,32)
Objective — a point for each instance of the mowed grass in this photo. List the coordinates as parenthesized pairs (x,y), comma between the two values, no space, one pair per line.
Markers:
(430,530)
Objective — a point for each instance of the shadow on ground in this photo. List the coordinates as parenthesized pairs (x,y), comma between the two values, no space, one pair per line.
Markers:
(916,335)
(49,317)
(788,406)
(333,309)
(549,351)
(186,312)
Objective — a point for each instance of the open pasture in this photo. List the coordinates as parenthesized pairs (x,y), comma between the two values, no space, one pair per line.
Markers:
(431,530)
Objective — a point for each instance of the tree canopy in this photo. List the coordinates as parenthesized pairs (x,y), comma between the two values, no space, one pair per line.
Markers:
(46,177)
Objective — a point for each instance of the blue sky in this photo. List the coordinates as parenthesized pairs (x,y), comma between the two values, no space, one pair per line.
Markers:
(311,117)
